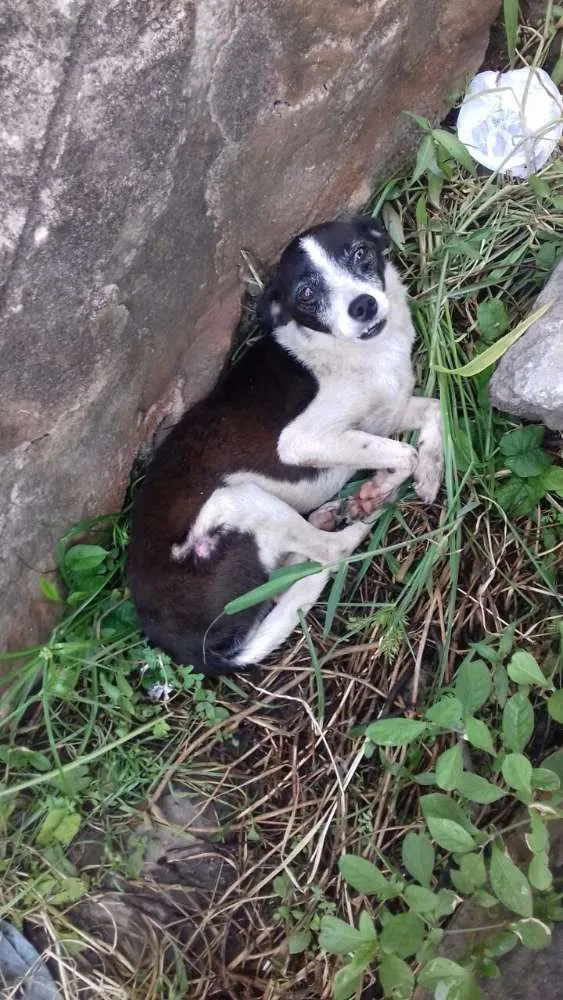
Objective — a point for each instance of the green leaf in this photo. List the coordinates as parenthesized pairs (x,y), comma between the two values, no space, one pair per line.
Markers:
(338,937)
(438,806)
(557,72)
(418,857)
(346,981)
(298,942)
(545,779)
(366,926)
(473,866)
(49,590)
(66,890)
(23,757)
(402,934)
(517,771)
(280,580)
(393,224)
(529,465)
(447,712)
(517,722)
(538,837)
(509,884)
(396,978)
(454,148)
(440,970)
(533,933)
(479,735)
(395,732)
(511,12)
(59,826)
(449,768)
(435,185)
(492,319)
(553,480)
(364,877)
(492,354)
(524,669)
(450,836)
(500,681)
(520,495)
(84,557)
(478,789)
(500,944)
(539,873)
(425,159)
(529,437)
(484,899)
(473,685)
(421,900)
(555,706)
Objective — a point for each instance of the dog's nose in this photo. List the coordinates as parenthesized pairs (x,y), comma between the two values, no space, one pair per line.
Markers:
(364,308)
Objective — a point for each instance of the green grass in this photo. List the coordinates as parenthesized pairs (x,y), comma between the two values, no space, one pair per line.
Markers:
(283,758)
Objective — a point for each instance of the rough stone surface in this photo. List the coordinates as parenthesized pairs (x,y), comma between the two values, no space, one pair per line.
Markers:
(529,379)
(144,143)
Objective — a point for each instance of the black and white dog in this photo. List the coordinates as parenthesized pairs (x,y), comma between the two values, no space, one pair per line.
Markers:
(227,495)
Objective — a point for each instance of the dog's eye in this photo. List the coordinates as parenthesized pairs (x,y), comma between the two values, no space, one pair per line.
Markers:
(305,295)
(361,254)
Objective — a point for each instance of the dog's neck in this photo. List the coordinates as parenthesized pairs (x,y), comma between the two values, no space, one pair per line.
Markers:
(322,351)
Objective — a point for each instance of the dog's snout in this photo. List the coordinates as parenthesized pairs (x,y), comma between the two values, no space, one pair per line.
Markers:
(363,308)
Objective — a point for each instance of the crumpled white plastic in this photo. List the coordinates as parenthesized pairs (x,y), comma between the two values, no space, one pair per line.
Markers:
(511,122)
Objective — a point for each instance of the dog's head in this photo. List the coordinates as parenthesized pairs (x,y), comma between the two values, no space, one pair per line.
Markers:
(331,279)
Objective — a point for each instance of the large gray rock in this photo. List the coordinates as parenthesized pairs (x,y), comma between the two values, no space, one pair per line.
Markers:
(529,379)
(144,143)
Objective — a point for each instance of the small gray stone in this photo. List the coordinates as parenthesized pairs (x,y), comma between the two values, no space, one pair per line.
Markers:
(529,379)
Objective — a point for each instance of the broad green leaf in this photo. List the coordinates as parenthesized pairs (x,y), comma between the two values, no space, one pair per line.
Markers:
(364,877)
(447,712)
(280,581)
(539,873)
(298,942)
(338,937)
(460,882)
(447,902)
(449,768)
(538,837)
(440,970)
(517,722)
(59,826)
(517,771)
(49,590)
(509,884)
(520,495)
(553,480)
(555,763)
(473,865)
(479,735)
(425,159)
(23,757)
(402,934)
(84,557)
(366,926)
(485,899)
(449,835)
(441,806)
(420,899)
(545,779)
(492,319)
(533,933)
(496,351)
(418,857)
(555,706)
(528,466)
(524,669)
(395,732)
(500,681)
(435,185)
(396,978)
(473,685)
(454,148)
(500,944)
(346,981)
(393,224)
(478,789)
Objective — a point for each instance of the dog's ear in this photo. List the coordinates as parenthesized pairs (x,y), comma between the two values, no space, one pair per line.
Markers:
(268,307)
(374,229)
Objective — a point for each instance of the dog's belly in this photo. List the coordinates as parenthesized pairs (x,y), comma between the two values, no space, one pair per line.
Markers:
(303,495)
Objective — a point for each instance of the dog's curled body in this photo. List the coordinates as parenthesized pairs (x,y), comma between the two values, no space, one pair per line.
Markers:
(311,403)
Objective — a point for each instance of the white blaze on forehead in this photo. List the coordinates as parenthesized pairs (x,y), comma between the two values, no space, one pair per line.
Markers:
(343,287)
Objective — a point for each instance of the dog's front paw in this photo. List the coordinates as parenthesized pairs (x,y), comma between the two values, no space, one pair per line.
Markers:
(428,476)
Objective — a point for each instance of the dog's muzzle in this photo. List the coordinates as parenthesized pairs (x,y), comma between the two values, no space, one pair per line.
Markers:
(372,331)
